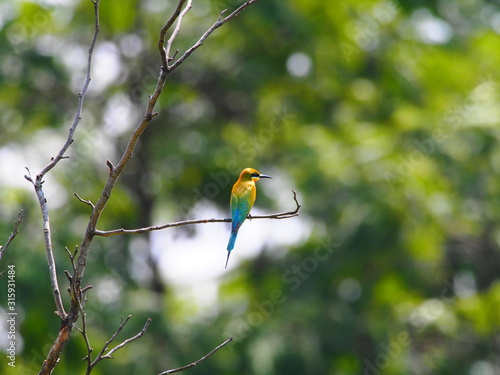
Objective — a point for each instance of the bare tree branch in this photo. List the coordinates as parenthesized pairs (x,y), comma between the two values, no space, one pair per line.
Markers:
(198,361)
(67,319)
(14,233)
(279,216)
(102,353)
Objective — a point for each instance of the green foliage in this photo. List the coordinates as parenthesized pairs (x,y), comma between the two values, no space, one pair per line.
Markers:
(382,115)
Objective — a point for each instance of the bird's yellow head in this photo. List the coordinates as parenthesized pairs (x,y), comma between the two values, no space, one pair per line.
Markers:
(250,174)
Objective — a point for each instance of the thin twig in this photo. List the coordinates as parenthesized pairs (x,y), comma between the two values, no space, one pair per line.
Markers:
(87,202)
(199,360)
(279,216)
(177,28)
(109,354)
(81,97)
(85,289)
(14,233)
(111,339)
(72,257)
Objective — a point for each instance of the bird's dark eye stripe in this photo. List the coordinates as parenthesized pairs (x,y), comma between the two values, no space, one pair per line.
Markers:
(255,175)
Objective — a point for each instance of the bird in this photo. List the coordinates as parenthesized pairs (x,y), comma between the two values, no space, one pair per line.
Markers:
(243,197)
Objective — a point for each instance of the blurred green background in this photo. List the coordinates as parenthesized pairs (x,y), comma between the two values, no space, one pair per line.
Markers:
(383,116)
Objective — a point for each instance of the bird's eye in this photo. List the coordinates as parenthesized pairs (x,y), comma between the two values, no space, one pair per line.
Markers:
(255,175)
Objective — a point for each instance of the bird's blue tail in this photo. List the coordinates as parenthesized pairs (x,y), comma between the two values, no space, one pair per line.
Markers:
(230,245)
(232,240)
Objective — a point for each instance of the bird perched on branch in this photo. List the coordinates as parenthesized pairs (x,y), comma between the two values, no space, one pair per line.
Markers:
(242,200)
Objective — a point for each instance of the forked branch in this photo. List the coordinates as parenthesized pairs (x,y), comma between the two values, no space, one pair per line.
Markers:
(108,354)
(177,28)
(164,30)
(220,21)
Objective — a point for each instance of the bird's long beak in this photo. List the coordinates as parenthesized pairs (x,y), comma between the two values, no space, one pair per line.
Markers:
(264,176)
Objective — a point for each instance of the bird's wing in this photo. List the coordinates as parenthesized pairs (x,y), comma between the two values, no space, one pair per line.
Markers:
(241,204)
